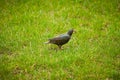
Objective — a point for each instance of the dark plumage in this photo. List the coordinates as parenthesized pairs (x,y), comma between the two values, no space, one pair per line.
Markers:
(61,39)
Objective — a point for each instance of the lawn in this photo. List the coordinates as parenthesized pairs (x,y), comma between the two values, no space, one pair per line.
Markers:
(93,53)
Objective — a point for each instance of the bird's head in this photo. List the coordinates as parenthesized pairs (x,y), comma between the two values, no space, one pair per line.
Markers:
(70,32)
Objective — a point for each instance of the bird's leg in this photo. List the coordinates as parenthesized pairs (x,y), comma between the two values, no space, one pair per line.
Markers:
(60,46)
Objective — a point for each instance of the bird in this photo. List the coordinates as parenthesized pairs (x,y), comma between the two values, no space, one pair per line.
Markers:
(62,39)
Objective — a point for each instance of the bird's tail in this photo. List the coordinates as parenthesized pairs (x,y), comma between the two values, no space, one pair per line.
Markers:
(47,41)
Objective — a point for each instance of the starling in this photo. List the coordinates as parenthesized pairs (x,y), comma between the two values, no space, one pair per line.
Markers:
(61,39)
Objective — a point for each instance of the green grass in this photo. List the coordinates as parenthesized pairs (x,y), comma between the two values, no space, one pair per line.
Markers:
(93,53)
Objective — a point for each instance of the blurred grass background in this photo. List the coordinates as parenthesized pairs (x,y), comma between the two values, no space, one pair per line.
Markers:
(93,53)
